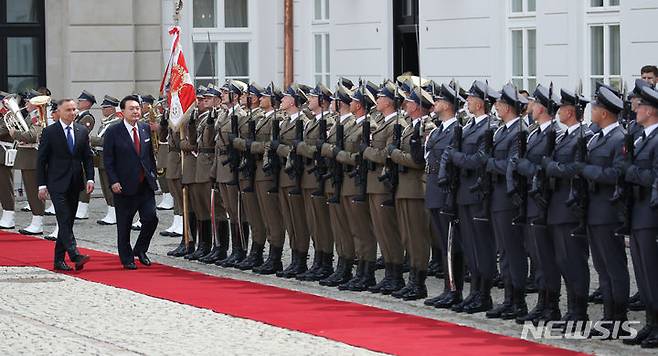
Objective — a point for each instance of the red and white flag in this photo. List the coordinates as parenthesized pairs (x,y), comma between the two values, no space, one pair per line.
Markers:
(181,96)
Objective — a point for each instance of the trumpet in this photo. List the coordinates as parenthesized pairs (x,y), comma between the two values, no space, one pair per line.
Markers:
(14,118)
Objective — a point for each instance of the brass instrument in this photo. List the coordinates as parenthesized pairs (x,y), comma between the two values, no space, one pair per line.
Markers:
(14,118)
(41,102)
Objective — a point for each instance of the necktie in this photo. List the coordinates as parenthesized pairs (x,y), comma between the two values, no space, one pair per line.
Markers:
(500,131)
(69,139)
(138,149)
(641,138)
(596,138)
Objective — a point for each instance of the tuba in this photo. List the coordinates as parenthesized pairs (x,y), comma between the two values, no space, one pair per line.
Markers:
(13,118)
(41,102)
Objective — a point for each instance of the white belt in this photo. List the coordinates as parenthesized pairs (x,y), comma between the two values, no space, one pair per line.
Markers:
(7,144)
(28,145)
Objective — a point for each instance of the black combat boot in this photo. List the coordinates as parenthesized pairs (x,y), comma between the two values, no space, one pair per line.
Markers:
(178,250)
(418,289)
(367,279)
(360,268)
(377,288)
(273,263)
(519,306)
(651,324)
(288,271)
(537,311)
(327,267)
(472,297)
(237,250)
(551,308)
(205,240)
(254,259)
(411,280)
(483,301)
(218,252)
(342,274)
(505,306)
(396,282)
(311,274)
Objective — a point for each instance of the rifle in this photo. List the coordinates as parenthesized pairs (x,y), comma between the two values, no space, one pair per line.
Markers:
(295,168)
(363,166)
(452,174)
(578,194)
(337,168)
(484,182)
(248,166)
(273,165)
(233,154)
(519,181)
(623,193)
(320,163)
(391,177)
(540,190)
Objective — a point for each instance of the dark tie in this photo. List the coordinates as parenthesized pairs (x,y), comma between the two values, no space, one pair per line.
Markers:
(138,149)
(439,129)
(596,139)
(500,131)
(69,139)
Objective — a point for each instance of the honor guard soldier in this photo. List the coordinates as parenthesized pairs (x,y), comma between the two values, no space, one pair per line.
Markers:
(267,190)
(473,196)
(290,178)
(151,112)
(562,168)
(26,162)
(541,143)
(85,102)
(381,192)
(250,101)
(313,183)
(440,201)
(507,203)
(6,175)
(644,249)
(354,191)
(347,218)
(412,217)
(109,109)
(227,165)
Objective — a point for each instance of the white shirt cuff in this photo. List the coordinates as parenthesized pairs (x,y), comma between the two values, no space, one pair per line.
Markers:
(90,181)
(42,187)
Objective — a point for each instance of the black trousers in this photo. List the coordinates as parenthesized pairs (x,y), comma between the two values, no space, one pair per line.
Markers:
(572,253)
(441,223)
(477,242)
(530,242)
(644,251)
(515,258)
(126,207)
(610,262)
(546,263)
(66,204)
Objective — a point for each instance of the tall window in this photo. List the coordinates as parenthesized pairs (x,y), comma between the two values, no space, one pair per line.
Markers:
(322,62)
(22,45)
(221,37)
(321,10)
(521,6)
(524,58)
(605,52)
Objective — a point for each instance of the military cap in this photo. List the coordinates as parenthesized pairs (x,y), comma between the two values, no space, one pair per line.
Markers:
(85,95)
(510,96)
(569,98)
(109,102)
(478,89)
(447,93)
(610,88)
(372,88)
(211,91)
(298,92)
(200,91)
(541,95)
(237,87)
(148,98)
(420,97)
(53,105)
(432,88)
(388,90)
(321,90)
(607,99)
(256,89)
(363,95)
(649,96)
(272,90)
(639,85)
(343,94)
(348,84)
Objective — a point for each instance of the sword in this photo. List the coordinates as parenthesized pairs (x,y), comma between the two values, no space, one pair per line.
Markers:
(451,233)
(213,222)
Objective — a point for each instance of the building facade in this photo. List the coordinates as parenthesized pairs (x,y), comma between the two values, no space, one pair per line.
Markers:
(120,46)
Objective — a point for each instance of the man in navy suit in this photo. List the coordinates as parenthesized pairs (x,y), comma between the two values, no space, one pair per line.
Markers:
(130,167)
(63,162)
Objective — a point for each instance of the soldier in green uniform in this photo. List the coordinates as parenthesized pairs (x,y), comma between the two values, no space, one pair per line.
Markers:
(108,107)
(86,101)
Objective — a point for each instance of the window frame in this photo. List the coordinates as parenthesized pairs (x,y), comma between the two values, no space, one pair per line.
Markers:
(325,73)
(606,76)
(324,8)
(525,77)
(605,7)
(524,10)
(35,30)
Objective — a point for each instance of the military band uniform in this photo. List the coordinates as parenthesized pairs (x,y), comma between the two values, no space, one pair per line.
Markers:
(6,175)
(26,162)
(86,119)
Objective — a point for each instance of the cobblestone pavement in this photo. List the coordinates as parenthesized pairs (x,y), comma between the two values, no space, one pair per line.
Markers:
(103,238)
(43,313)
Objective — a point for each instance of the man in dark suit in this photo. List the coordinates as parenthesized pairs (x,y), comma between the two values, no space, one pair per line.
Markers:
(64,161)
(130,167)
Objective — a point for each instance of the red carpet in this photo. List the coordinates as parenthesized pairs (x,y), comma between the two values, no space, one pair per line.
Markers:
(350,323)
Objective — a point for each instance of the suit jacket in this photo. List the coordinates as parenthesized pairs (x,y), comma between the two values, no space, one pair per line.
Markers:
(602,171)
(437,142)
(505,147)
(532,162)
(57,168)
(122,161)
(643,173)
(469,159)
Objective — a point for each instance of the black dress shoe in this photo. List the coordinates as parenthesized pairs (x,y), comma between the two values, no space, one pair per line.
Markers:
(62,266)
(453,298)
(596,297)
(50,238)
(165,233)
(143,259)
(482,303)
(130,266)
(80,262)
